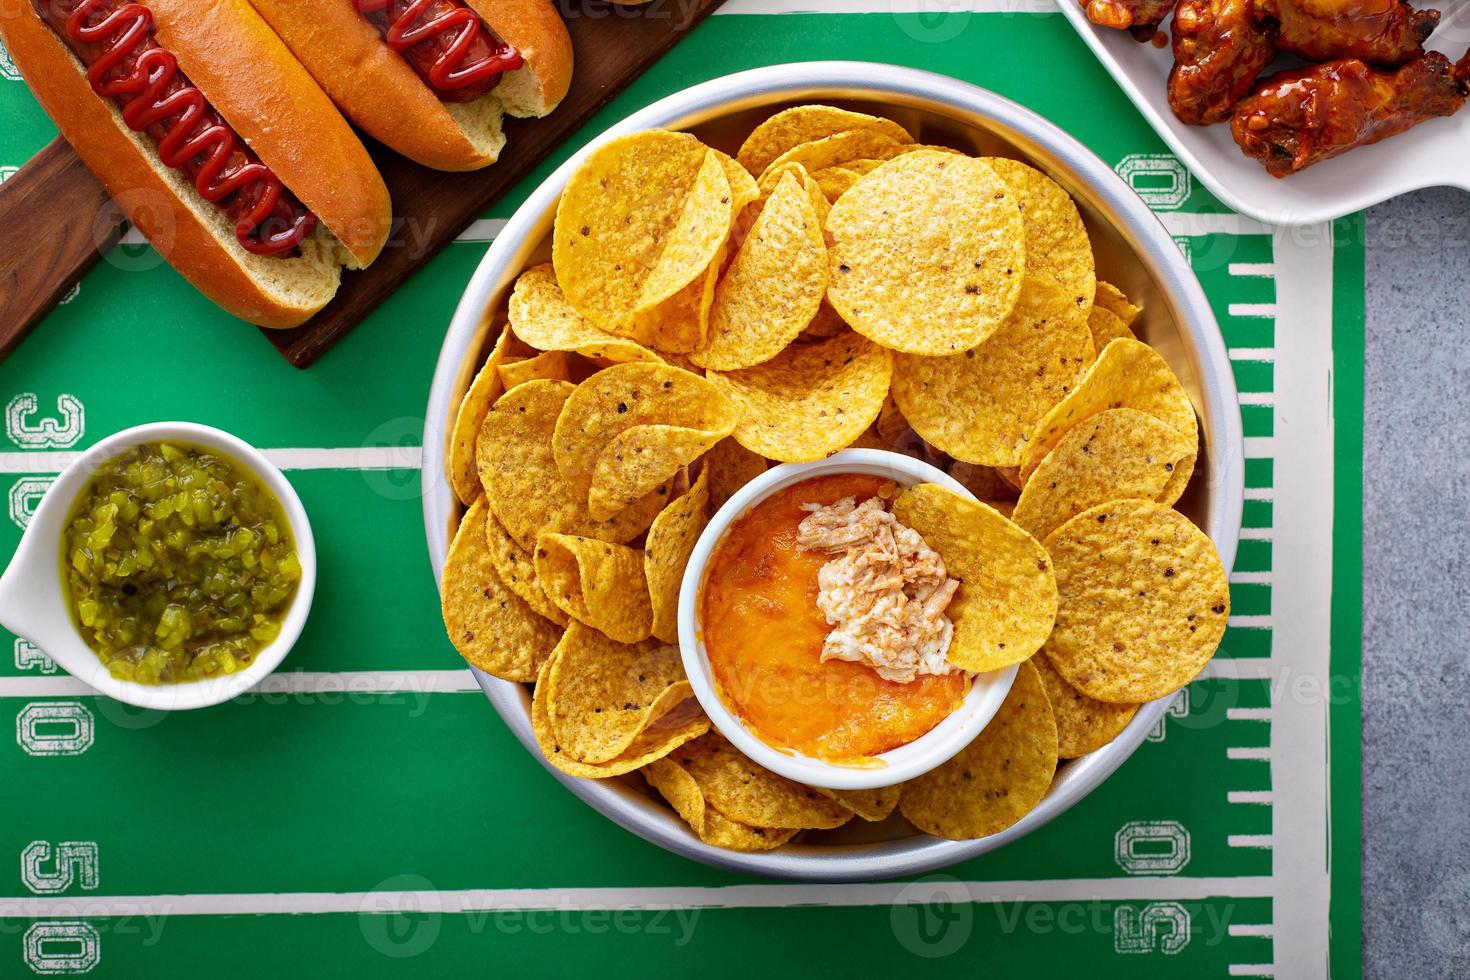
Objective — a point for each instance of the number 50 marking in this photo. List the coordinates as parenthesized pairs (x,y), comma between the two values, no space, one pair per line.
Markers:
(75,861)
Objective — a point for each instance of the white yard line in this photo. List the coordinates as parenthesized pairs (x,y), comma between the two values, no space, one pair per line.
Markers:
(1261,270)
(1260,447)
(1257,398)
(287,682)
(1189,224)
(1260,493)
(684,897)
(1266,311)
(1250,622)
(1238,668)
(346,458)
(1253,753)
(1250,578)
(1258,841)
(1262,930)
(1251,353)
(1303,479)
(1248,714)
(1257,533)
(1252,970)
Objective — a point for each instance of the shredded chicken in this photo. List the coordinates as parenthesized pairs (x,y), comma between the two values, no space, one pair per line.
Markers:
(884,590)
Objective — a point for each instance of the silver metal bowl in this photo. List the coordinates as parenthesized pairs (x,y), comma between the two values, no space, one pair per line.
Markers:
(1133,251)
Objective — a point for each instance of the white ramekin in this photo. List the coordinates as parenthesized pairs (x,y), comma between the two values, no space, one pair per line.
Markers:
(932,749)
(33,604)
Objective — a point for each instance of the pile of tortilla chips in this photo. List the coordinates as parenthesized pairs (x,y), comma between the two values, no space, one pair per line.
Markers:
(832,284)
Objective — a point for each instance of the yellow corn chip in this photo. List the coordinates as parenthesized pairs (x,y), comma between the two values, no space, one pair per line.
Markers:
(1106,327)
(525,491)
(680,725)
(549,366)
(1112,299)
(1083,724)
(998,778)
(623,396)
(640,461)
(682,791)
(839,149)
(805,124)
(1119,454)
(827,323)
(597,583)
(490,626)
(870,804)
(666,552)
(731,466)
(836,181)
(980,406)
(516,568)
(750,794)
(541,316)
(928,254)
(812,399)
(774,285)
(1143,601)
(1007,600)
(642,218)
(463,474)
(602,694)
(1127,374)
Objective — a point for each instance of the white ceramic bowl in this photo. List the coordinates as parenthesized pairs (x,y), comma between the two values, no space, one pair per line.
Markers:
(1134,252)
(32,600)
(1432,154)
(932,749)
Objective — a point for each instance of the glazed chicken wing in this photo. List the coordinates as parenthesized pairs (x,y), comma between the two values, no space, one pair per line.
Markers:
(1220,47)
(1298,118)
(1387,33)
(1142,17)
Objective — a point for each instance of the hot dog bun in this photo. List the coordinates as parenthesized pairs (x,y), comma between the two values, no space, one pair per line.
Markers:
(379,91)
(251,79)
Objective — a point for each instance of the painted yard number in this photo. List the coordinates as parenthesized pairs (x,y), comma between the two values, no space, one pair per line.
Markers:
(46,728)
(1157,927)
(1152,847)
(55,948)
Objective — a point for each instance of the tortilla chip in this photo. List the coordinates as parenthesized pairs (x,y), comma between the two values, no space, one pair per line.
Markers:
(463,474)
(836,181)
(1007,600)
(682,791)
(525,491)
(928,254)
(998,778)
(1127,374)
(839,149)
(981,406)
(490,626)
(516,567)
(731,466)
(597,583)
(547,366)
(870,804)
(680,725)
(774,285)
(642,460)
(541,316)
(1105,327)
(615,400)
(1142,601)
(602,694)
(640,219)
(825,324)
(742,791)
(1112,299)
(666,553)
(1120,454)
(811,400)
(1083,724)
(805,124)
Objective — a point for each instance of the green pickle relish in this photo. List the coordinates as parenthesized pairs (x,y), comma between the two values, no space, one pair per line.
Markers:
(179,564)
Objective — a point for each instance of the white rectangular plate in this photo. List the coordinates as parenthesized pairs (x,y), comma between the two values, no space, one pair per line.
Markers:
(1432,154)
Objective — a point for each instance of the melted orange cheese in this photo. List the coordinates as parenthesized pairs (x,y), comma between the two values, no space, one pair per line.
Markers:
(764,637)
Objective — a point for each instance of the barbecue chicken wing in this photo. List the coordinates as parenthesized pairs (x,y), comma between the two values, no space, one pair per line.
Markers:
(1141,17)
(1386,33)
(1298,118)
(1220,47)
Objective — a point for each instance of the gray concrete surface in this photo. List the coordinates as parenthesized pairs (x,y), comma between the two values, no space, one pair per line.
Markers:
(1416,606)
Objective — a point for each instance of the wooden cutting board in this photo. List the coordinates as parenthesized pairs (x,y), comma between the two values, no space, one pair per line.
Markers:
(42,256)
